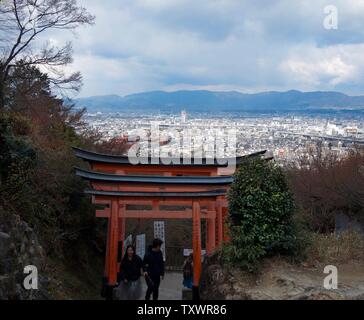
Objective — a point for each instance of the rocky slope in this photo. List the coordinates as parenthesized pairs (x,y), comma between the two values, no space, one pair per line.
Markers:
(58,277)
(19,247)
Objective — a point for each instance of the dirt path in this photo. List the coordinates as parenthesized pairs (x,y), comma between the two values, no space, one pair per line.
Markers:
(281,280)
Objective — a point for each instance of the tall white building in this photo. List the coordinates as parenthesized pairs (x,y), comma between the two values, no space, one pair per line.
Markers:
(184,116)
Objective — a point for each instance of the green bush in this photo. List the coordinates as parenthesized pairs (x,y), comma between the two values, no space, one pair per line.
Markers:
(261,207)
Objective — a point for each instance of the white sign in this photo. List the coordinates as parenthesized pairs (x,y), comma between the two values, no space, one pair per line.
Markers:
(128,241)
(187,252)
(159,233)
(140,245)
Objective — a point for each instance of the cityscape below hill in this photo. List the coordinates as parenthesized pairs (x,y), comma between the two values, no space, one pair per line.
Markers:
(289,138)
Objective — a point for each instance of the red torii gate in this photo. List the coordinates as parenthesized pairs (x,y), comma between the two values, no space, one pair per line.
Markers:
(198,188)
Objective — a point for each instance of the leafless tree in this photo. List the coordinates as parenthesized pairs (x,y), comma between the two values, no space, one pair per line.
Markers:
(22,22)
(328,186)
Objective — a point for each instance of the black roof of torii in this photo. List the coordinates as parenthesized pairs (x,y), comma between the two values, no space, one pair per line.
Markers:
(196,194)
(190,180)
(117,159)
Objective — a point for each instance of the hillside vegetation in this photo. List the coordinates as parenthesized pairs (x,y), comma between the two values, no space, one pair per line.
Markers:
(38,185)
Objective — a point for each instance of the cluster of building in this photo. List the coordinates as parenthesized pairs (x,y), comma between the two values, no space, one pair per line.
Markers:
(289,138)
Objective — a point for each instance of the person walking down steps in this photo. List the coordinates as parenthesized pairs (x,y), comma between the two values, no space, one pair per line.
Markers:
(153,266)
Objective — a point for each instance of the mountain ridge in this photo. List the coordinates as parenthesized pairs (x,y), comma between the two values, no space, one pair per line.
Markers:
(204,100)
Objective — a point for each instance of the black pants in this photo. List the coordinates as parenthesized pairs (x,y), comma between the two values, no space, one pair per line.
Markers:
(153,289)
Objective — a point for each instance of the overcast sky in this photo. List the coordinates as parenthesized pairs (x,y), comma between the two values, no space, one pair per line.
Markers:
(244,45)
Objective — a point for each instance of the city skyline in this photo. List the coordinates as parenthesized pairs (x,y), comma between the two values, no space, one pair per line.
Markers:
(289,138)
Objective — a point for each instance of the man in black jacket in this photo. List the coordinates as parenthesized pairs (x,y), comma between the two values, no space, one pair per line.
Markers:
(153,266)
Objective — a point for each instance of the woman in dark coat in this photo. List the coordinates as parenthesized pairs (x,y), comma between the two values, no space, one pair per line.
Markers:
(129,275)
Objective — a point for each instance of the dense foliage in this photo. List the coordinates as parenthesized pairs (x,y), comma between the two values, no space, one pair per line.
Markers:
(261,207)
(37,181)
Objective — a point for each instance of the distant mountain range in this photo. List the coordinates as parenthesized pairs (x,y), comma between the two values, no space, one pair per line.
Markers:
(209,101)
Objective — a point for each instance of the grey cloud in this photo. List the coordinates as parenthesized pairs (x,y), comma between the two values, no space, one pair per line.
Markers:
(153,44)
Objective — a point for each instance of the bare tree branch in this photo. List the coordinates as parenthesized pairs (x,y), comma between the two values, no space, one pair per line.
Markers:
(22,22)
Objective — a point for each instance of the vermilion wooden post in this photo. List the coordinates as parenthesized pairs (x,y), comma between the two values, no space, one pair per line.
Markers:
(211,230)
(107,262)
(207,238)
(211,235)
(121,230)
(219,222)
(113,242)
(197,261)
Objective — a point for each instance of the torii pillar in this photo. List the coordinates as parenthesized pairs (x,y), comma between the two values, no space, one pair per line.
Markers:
(112,243)
(197,261)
